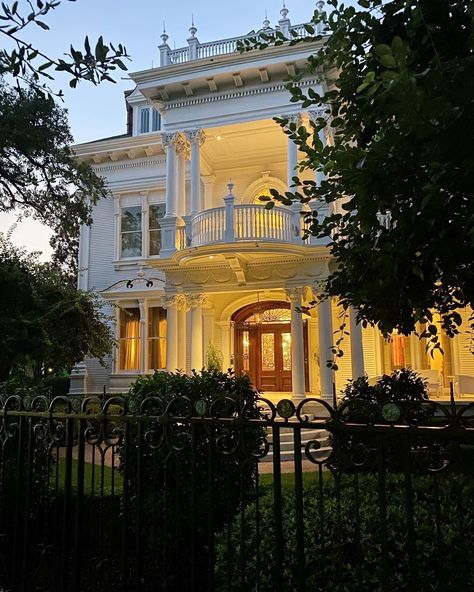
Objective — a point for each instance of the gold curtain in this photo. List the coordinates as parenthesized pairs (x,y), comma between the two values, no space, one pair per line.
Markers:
(129,346)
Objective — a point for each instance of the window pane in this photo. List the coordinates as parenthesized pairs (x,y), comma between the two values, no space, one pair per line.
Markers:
(131,218)
(144,120)
(286,350)
(155,242)
(156,338)
(131,244)
(156,121)
(268,351)
(129,343)
(157,211)
(157,322)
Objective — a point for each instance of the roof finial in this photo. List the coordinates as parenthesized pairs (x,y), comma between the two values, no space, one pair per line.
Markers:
(284,11)
(164,36)
(230,186)
(320,6)
(192,29)
(266,22)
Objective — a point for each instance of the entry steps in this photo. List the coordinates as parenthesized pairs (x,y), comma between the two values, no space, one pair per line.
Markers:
(320,437)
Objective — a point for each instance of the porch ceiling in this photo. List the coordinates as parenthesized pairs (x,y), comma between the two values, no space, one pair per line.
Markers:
(244,144)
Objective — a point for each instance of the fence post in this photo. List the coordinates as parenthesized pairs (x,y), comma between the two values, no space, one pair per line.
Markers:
(229,200)
(188,235)
(296,209)
(164,50)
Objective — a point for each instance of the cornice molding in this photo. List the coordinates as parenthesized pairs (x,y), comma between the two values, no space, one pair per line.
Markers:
(133,164)
(225,96)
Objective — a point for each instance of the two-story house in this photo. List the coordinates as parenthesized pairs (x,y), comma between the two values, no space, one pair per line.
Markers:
(190,260)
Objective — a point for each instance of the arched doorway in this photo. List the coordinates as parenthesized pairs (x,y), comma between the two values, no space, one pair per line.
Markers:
(263,345)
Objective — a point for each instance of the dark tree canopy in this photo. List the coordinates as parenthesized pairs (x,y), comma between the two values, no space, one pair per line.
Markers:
(45,322)
(39,175)
(400,105)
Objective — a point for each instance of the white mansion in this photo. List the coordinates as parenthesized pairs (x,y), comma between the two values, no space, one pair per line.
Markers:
(190,260)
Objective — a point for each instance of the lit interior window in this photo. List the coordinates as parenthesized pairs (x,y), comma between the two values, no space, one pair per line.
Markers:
(129,342)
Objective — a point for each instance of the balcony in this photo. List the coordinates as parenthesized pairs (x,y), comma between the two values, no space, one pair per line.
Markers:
(241,224)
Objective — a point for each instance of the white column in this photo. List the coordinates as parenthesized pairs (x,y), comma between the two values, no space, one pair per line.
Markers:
(297,344)
(145,220)
(207,330)
(292,149)
(169,141)
(181,180)
(325,344)
(225,344)
(196,138)
(171,334)
(143,334)
(182,333)
(357,350)
(196,332)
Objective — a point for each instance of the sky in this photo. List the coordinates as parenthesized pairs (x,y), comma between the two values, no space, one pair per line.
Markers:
(96,112)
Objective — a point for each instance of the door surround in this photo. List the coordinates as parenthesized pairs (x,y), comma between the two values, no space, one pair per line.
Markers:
(248,334)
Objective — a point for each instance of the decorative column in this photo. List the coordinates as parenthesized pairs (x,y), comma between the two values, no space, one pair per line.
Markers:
(181,305)
(181,149)
(357,351)
(143,334)
(171,304)
(193,42)
(297,344)
(196,138)
(292,148)
(207,329)
(168,223)
(196,302)
(325,345)
(225,327)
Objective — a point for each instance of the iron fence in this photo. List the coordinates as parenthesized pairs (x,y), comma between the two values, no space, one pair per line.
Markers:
(193,495)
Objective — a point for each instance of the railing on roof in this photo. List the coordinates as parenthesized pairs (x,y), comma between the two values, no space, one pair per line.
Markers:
(197,50)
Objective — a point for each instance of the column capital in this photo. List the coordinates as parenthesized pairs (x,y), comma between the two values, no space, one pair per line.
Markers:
(295,118)
(181,144)
(175,300)
(196,136)
(196,300)
(319,113)
(294,293)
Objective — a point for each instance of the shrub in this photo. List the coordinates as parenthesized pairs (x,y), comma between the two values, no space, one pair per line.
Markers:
(193,477)
(343,550)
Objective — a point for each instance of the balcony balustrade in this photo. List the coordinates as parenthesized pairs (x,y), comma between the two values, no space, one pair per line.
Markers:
(196,50)
(235,223)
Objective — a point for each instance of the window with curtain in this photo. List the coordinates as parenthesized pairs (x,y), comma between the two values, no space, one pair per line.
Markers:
(131,231)
(156,338)
(144,120)
(156,212)
(129,340)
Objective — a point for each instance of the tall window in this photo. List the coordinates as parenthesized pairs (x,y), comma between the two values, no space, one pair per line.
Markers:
(129,341)
(131,231)
(156,121)
(156,338)
(156,213)
(150,120)
(144,120)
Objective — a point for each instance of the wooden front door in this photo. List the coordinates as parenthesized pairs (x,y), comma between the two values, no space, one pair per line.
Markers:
(273,358)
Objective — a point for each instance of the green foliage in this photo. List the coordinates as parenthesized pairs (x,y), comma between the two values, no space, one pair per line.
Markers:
(29,64)
(404,388)
(400,109)
(39,175)
(191,482)
(213,358)
(45,322)
(343,550)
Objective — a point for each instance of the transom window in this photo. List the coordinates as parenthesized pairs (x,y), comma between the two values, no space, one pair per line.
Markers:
(272,315)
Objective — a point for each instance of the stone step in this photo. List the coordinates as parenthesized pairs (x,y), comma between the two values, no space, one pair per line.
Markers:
(289,455)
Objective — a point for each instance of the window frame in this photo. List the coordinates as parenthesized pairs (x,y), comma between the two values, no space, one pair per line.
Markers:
(153,120)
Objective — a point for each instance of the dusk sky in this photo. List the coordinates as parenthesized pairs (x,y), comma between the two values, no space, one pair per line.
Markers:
(96,112)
